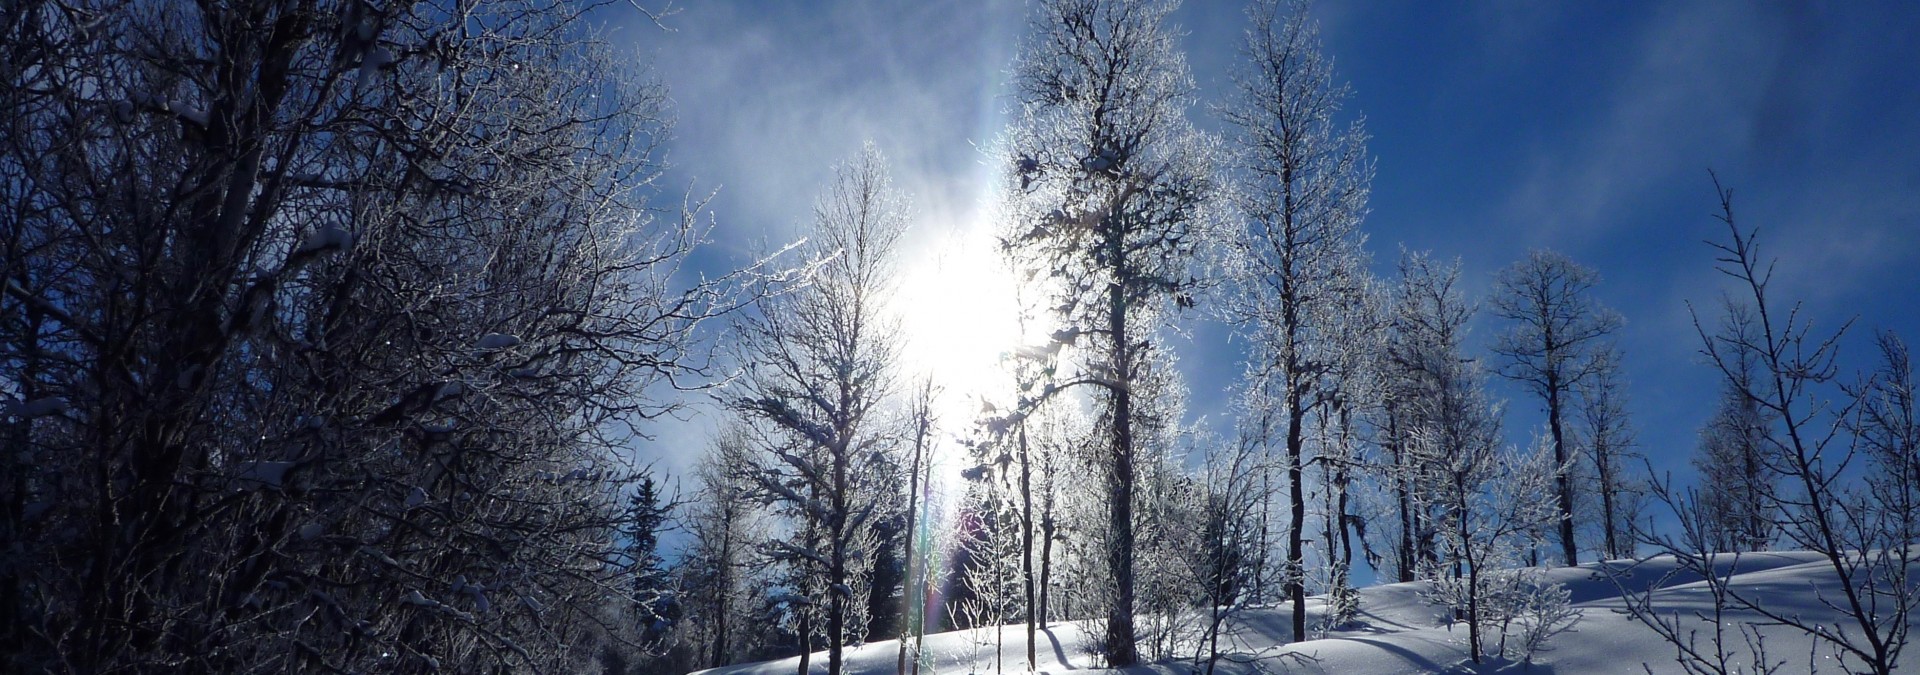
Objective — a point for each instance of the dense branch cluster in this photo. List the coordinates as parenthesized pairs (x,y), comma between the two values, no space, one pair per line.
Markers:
(322,322)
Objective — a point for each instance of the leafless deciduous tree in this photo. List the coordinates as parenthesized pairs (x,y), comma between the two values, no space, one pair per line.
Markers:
(1557,330)
(327,315)
(819,367)
(1888,425)
(716,565)
(1739,512)
(1302,187)
(1109,181)
(1607,436)
(1769,356)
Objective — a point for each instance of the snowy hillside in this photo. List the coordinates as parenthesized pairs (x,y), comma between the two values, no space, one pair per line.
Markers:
(1400,633)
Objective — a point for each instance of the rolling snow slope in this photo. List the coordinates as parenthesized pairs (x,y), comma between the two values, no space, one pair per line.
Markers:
(1400,633)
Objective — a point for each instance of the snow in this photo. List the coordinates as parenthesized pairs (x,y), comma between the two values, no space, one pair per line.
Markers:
(1399,632)
(327,238)
(191,113)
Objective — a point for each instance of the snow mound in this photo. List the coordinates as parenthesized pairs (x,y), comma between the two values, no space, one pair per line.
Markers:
(1399,632)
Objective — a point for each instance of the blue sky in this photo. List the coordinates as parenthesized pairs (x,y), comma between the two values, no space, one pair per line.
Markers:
(1588,128)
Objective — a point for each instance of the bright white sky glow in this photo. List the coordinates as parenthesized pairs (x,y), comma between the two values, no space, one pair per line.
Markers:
(960,322)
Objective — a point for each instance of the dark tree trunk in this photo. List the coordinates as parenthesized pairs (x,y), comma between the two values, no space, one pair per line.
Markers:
(1296,587)
(911,615)
(1026,540)
(1046,558)
(1120,648)
(806,641)
(1568,546)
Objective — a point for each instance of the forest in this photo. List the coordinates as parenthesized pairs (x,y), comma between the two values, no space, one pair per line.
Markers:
(330,329)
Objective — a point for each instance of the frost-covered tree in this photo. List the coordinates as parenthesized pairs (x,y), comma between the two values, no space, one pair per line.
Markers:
(655,605)
(1473,507)
(1301,184)
(1491,504)
(1740,512)
(1556,331)
(716,563)
(1607,437)
(1226,565)
(818,368)
(1888,426)
(1420,370)
(918,556)
(1107,183)
(328,317)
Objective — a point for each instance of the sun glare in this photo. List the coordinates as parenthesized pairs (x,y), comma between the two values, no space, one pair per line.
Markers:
(961,320)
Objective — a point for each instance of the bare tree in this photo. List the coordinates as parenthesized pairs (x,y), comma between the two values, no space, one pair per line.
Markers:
(345,309)
(1550,349)
(915,590)
(819,366)
(1421,365)
(1608,438)
(715,565)
(1230,540)
(1474,507)
(1740,512)
(1811,450)
(1108,182)
(1302,187)
(1888,425)
(1491,504)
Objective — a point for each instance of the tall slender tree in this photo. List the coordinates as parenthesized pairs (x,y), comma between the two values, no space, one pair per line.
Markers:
(819,366)
(654,602)
(1108,184)
(1303,180)
(715,567)
(1735,455)
(1608,439)
(1421,365)
(1556,330)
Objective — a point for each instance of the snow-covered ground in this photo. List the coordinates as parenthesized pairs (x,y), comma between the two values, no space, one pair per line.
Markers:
(1400,633)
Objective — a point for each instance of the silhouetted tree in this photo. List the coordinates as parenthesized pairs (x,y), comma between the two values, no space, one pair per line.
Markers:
(1550,348)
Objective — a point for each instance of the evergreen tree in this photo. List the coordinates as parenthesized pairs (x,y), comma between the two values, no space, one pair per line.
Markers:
(655,604)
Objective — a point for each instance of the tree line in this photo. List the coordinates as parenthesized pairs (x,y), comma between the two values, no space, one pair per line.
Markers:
(1364,433)
(328,326)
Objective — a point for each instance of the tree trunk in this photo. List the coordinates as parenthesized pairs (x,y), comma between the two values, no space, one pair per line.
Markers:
(722,590)
(1296,587)
(1120,649)
(1046,558)
(911,614)
(1604,467)
(1026,540)
(838,596)
(806,640)
(1568,547)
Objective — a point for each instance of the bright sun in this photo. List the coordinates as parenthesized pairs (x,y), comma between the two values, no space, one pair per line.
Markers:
(958,310)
